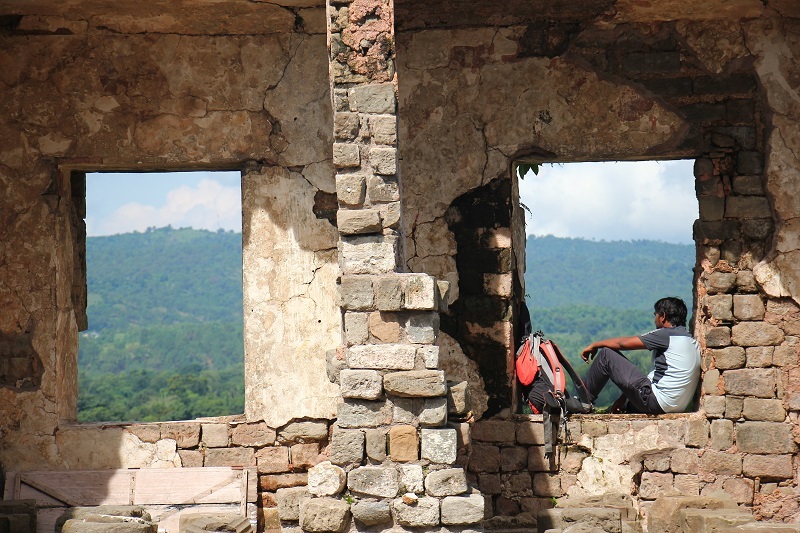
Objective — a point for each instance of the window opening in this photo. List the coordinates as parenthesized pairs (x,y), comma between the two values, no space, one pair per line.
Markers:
(164,293)
(604,241)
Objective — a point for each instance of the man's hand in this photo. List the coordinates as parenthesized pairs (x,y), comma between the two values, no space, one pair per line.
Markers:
(588,352)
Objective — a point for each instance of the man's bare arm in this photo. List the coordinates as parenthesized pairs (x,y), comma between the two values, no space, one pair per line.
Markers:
(617,343)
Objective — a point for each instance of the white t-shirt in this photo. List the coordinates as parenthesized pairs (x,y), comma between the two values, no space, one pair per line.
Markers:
(676,367)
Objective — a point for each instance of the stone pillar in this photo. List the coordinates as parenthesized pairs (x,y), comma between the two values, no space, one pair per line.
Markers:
(392,419)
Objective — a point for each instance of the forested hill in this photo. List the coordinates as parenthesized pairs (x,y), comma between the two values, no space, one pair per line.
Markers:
(616,274)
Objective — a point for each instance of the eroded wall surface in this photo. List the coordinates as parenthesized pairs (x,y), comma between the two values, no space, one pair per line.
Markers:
(94,90)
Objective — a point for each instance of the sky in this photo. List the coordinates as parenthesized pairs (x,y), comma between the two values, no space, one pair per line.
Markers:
(601,201)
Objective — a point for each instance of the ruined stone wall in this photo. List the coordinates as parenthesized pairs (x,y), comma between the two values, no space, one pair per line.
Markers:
(92,90)
(473,100)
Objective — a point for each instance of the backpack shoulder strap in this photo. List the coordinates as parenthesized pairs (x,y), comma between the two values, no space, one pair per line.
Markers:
(580,386)
(557,378)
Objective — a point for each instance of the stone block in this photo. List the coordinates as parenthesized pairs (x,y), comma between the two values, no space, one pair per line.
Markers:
(439,445)
(383,129)
(303,431)
(462,510)
(356,328)
(376,444)
(289,502)
(513,458)
(733,407)
(785,355)
(484,459)
(374,481)
(747,207)
(495,431)
(406,410)
(371,513)
(728,358)
(362,384)
(446,482)
(273,482)
(429,355)
(144,432)
(355,293)
(424,512)
(758,382)
(191,458)
(545,484)
(304,455)
(584,518)
(351,189)
(369,254)
(711,207)
(763,410)
(664,515)
(272,460)
(749,163)
(746,281)
(356,221)
(384,327)
(434,412)
(420,293)
(382,356)
(712,519)
(721,463)
(345,126)
(654,484)
(718,337)
(687,484)
(756,334)
(346,155)
(748,307)
(720,306)
(423,328)
(516,484)
(720,282)
(765,437)
(403,443)
(740,489)
(382,189)
(389,293)
(324,515)
(457,397)
(760,356)
(721,434)
(347,446)
(215,435)
(489,483)
(383,160)
(373,98)
(684,461)
(714,406)
(697,430)
(711,381)
(230,457)
(768,467)
(253,434)
(416,383)
(326,479)
(411,478)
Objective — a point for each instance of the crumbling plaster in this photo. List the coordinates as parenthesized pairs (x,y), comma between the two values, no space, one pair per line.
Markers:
(92,90)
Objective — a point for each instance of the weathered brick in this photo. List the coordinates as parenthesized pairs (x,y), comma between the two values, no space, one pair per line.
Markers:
(719,282)
(484,459)
(351,189)
(714,406)
(720,306)
(434,412)
(513,458)
(711,380)
(272,460)
(347,446)
(718,337)
(768,467)
(446,482)
(420,293)
(389,293)
(653,484)
(403,443)
(375,481)
(375,444)
(748,307)
(273,482)
(764,410)
(462,510)
(746,281)
(785,354)
(423,513)
(697,430)
(494,431)
(288,499)
(747,207)
(439,445)
(457,397)
(384,327)
(326,479)
(517,484)
(363,384)
(355,293)
(368,254)
(191,458)
(146,432)
(374,98)
(382,189)
(656,462)
(756,334)
(727,358)
(383,160)
(345,126)
(750,163)
(687,484)
(759,382)
(423,328)
(721,463)
(489,483)
(382,356)
(305,455)
(230,457)
(346,155)
(740,489)
(303,431)
(760,356)
(411,478)
(354,413)
(186,435)
(253,434)
(765,437)
(356,327)
(324,514)
(214,435)
(383,129)
(684,461)
(721,434)
(355,221)
(416,383)
(733,407)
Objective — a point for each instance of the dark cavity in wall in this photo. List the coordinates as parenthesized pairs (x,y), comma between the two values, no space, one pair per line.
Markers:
(480,320)
(20,365)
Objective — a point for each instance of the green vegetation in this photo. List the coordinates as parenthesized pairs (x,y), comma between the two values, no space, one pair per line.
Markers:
(579,291)
(165,338)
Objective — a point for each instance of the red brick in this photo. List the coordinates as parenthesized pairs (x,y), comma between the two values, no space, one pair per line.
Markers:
(273,482)
(273,460)
(258,434)
(305,456)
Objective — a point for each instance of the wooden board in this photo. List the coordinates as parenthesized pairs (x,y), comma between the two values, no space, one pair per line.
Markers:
(164,492)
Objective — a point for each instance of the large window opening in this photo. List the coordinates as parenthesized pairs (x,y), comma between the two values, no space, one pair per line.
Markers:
(164,297)
(604,241)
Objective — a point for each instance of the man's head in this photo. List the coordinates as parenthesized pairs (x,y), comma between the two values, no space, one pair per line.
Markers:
(671,310)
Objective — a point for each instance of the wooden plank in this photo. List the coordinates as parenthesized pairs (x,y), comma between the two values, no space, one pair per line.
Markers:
(83,487)
(180,486)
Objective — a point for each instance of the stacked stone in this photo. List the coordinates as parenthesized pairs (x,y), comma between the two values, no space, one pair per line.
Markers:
(391,453)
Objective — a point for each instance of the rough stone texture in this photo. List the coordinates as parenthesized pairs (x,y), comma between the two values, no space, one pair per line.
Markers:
(447,482)
(766,410)
(750,382)
(347,446)
(664,515)
(730,357)
(411,478)
(362,384)
(323,515)
(326,479)
(439,445)
(376,444)
(371,513)
(214,435)
(416,383)
(403,443)
(756,334)
(303,431)
(462,510)
(289,502)
(377,481)
(382,356)
(424,512)
(765,437)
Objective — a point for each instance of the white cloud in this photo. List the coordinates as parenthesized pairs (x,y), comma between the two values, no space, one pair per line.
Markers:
(612,201)
(209,205)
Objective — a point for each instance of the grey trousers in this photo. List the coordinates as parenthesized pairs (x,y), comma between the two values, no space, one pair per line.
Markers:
(611,364)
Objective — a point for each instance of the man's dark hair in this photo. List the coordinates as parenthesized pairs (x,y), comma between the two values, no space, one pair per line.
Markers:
(674,310)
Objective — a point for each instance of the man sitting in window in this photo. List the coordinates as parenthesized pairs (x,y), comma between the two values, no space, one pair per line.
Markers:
(670,386)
